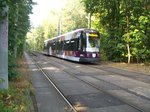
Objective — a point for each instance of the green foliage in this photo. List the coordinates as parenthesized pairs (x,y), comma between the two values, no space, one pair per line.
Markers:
(14,100)
(39,37)
(12,66)
(13,74)
(91,6)
(19,24)
(72,17)
(3,4)
(35,38)
(122,23)
(124,26)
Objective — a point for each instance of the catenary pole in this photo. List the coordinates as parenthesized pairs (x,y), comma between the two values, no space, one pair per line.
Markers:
(89,20)
(4,49)
(59,24)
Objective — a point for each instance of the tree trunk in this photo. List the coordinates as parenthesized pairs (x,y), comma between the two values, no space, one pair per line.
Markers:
(89,20)
(128,46)
(16,33)
(15,47)
(129,54)
(145,4)
(127,30)
(4,50)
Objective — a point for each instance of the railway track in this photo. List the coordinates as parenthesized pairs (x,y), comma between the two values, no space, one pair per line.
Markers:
(132,75)
(58,64)
(72,109)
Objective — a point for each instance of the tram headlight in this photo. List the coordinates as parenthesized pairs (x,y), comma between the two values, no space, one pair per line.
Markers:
(81,55)
(93,55)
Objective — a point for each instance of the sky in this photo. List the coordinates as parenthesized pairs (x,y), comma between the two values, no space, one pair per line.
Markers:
(42,9)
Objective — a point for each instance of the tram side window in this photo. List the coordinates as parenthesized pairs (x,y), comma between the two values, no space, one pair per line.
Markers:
(53,45)
(71,45)
(66,45)
(74,44)
(62,45)
(57,46)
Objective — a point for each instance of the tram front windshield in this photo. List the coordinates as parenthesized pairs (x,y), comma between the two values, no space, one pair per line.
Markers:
(94,41)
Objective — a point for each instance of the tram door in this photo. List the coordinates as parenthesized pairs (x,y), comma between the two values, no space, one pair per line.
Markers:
(50,50)
(82,42)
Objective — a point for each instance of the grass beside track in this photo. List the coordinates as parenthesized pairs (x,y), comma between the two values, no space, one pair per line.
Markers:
(138,67)
(17,97)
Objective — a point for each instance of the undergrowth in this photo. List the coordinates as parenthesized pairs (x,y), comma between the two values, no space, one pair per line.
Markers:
(16,98)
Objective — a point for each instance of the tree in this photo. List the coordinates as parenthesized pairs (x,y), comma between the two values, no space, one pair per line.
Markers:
(125,27)
(4,47)
(35,39)
(19,25)
(14,24)
(39,37)
(71,18)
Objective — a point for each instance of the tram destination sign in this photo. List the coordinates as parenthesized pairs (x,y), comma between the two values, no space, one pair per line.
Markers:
(93,35)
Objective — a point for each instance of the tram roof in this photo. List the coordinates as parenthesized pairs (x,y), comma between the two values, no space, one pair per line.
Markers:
(71,32)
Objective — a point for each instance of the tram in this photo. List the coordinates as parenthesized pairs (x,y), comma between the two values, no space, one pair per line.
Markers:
(80,45)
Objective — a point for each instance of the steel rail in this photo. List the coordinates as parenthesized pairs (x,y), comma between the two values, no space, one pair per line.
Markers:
(95,67)
(87,82)
(53,84)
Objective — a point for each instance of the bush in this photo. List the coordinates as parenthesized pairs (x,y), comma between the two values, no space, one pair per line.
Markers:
(14,100)
(12,69)
(17,97)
